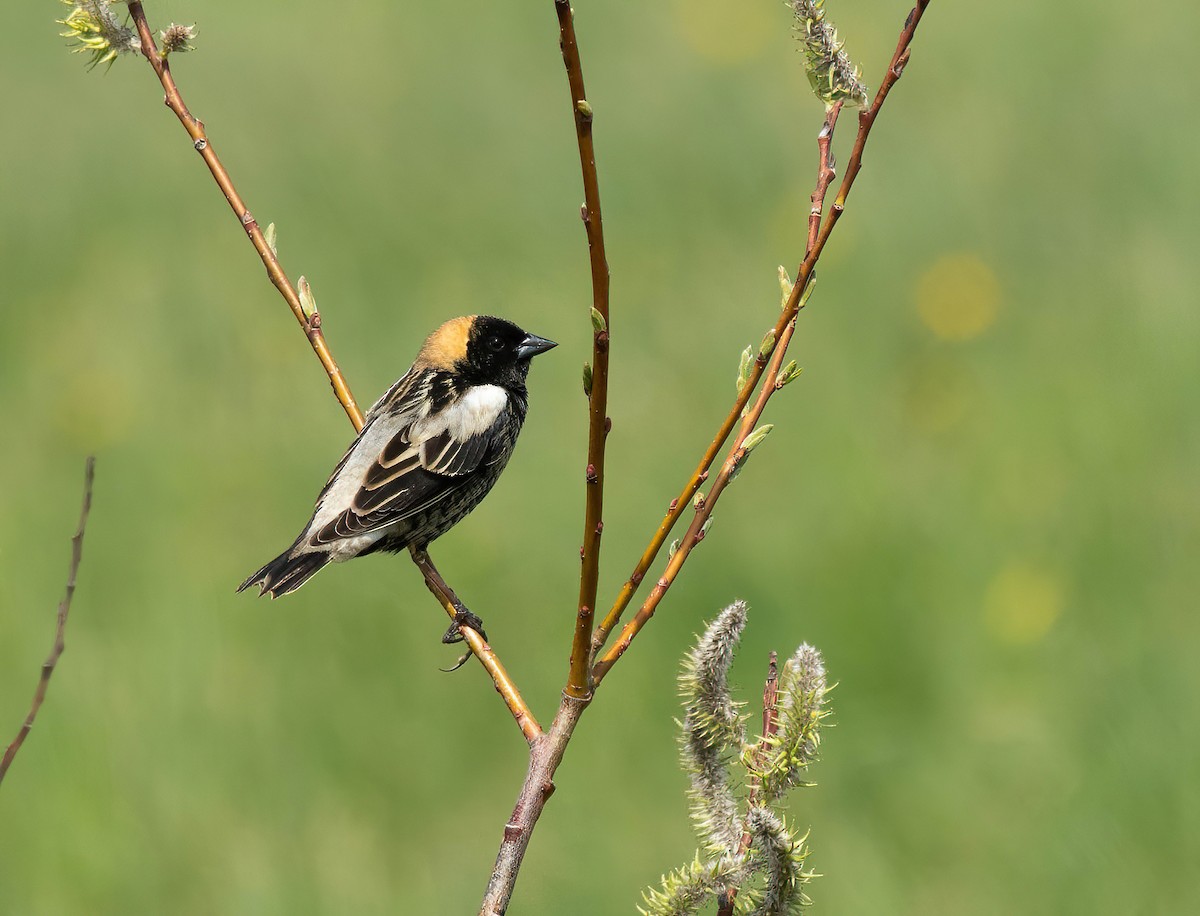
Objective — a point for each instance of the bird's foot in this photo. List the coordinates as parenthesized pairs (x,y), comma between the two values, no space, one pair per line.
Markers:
(462,618)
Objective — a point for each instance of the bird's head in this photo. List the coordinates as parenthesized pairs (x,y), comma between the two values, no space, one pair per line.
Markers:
(483,350)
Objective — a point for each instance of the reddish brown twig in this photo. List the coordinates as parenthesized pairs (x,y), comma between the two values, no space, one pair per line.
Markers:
(64,609)
(478,645)
(786,326)
(825,174)
(195,128)
(311,324)
(770,726)
(578,680)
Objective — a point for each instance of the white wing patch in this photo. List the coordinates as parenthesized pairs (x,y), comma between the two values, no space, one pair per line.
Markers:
(451,441)
(471,415)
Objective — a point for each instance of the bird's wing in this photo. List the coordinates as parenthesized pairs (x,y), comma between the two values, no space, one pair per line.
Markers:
(405,461)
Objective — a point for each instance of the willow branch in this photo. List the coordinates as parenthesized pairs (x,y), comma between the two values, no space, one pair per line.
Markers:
(578,679)
(64,609)
(311,324)
(786,328)
(478,645)
(770,726)
(545,754)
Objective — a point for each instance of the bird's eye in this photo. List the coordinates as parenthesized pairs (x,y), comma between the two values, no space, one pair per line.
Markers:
(495,344)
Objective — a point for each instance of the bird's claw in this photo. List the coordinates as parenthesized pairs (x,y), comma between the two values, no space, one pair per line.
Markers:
(463,618)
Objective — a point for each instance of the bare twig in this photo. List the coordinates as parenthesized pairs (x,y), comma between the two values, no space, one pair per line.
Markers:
(545,754)
(195,128)
(64,609)
(786,328)
(478,645)
(578,680)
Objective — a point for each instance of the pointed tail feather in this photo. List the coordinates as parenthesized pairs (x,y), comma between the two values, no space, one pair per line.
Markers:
(286,573)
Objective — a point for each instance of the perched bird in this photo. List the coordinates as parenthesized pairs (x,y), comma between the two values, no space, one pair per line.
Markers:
(430,449)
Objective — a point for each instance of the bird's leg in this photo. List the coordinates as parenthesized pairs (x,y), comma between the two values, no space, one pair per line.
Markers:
(461,615)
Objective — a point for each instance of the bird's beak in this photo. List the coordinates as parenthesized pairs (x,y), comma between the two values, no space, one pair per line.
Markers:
(532,345)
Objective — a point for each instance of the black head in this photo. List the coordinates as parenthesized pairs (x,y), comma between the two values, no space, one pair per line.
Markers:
(498,352)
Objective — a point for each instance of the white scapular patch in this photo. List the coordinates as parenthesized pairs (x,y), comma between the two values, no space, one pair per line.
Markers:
(471,415)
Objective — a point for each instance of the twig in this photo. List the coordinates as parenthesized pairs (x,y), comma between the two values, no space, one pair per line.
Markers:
(545,755)
(478,645)
(787,326)
(311,324)
(578,680)
(64,609)
(770,725)
(195,128)
(825,174)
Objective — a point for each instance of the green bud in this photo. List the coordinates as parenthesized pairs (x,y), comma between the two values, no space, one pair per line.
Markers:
(598,322)
(587,379)
(752,441)
(808,289)
(272,238)
(308,302)
(671,550)
(789,373)
(785,286)
(584,107)
(767,345)
(743,375)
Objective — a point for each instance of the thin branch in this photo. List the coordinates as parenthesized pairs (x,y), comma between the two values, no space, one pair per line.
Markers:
(64,609)
(770,725)
(478,645)
(787,326)
(310,322)
(579,683)
(195,128)
(545,755)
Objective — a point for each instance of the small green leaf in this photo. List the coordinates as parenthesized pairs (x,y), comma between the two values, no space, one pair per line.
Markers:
(271,237)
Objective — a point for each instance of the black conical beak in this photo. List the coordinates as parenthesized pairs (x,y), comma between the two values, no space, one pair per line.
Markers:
(532,345)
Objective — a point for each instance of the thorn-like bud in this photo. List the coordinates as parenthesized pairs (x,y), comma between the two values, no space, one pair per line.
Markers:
(176,39)
(271,236)
(752,441)
(789,373)
(599,324)
(743,375)
(308,302)
(587,379)
(768,344)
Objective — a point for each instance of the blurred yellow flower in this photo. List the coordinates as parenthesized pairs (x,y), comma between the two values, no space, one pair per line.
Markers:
(1021,604)
(958,297)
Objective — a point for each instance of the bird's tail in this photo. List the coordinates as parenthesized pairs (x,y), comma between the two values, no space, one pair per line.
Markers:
(286,573)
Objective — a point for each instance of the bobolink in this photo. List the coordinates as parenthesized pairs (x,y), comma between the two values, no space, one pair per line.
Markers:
(430,449)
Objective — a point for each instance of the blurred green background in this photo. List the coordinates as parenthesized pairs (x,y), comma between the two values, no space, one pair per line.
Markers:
(980,501)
